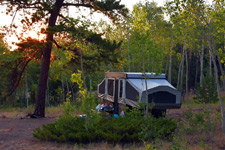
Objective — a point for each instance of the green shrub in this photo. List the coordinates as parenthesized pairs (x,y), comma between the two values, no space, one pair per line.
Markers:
(131,128)
(157,128)
(207,93)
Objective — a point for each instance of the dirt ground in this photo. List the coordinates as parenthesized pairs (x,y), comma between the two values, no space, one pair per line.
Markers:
(16,133)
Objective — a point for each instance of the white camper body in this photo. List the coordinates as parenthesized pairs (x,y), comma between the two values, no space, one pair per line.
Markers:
(130,88)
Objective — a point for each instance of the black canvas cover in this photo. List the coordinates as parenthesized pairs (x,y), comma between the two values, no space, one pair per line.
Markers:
(131,92)
(101,87)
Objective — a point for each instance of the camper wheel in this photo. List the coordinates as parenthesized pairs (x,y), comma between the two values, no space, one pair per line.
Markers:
(158,112)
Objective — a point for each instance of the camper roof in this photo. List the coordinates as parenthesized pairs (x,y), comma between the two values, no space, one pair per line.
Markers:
(134,75)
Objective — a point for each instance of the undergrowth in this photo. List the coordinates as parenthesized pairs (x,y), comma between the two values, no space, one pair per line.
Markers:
(129,129)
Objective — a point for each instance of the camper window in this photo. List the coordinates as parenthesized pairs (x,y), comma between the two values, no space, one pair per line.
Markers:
(121,88)
(110,87)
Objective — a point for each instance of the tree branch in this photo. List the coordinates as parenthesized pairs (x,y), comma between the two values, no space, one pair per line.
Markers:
(19,79)
(78,5)
(57,45)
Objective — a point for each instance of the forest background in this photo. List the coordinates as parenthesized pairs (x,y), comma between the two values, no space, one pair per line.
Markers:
(67,55)
(188,47)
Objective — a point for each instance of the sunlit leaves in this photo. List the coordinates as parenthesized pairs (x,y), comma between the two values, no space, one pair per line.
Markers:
(76,78)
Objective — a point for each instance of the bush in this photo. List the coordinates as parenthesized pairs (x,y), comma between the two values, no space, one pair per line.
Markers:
(207,93)
(129,129)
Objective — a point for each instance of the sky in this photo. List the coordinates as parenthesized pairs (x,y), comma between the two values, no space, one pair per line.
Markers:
(6,20)
(130,3)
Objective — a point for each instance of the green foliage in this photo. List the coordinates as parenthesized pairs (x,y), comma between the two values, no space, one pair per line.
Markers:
(113,130)
(178,144)
(202,123)
(195,122)
(157,128)
(149,146)
(207,93)
(68,108)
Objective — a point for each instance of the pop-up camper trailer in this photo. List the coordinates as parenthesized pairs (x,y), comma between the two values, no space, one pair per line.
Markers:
(130,88)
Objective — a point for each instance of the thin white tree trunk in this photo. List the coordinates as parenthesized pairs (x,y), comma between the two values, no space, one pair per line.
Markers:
(47,94)
(146,86)
(71,87)
(170,62)
(202,63)
(179,71)
(218,87)
(186,57)
(182,70)
(221,68)
(196,73)
(90,84)
(26,90)
(148,62)
(170,57)
(82,69)
(63,96)
(128,51)
(210,63)
(68,89)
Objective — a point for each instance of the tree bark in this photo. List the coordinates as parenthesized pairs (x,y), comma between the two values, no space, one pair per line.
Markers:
(170,60)
(45,64)
(63,91)
(128,36)
(26,89)
(196,73)
(68,89)
(210,63)
(182,69)
(47,94)
(217,79)
(221,67)
(201,63)
(90,83)
(186,57)
(146,86)
(82,69)
(170,63)
(179,71)
(218,87)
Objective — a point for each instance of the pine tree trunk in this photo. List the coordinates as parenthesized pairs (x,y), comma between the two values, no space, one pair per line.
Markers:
(42,83)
